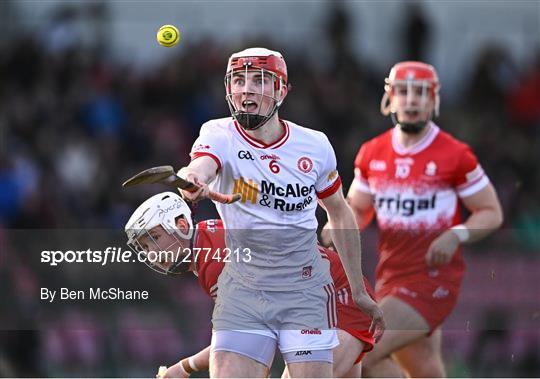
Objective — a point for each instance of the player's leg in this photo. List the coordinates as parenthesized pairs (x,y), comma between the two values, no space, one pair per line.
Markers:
(242,344)
(241,354)
(384,368)
(305,327)
(354,372)
(226,364)
(423,358)
(346,354)
(306,355)
(404,325)
(312,369)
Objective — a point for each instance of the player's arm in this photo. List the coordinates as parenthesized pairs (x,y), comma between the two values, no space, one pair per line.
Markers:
(207,154)
(359,196)
(361,204)
(486,213)
(185,367)
(486,216)
(200,171)
(346,237)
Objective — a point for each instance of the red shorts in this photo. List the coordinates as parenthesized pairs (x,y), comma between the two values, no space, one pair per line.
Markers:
(433,296)
(356,323)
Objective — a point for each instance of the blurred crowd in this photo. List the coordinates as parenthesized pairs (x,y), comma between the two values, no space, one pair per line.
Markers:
(74,124)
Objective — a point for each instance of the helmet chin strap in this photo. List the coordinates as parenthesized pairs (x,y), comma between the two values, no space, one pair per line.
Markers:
(178,268)
(409,127)
(250,121)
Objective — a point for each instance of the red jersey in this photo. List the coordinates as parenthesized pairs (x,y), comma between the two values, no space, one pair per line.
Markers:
(416,192)
(208,252)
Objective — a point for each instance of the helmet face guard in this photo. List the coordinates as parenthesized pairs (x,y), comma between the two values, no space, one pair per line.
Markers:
(416,86)
(252,96)
(161,210)
(254,81)
(167,260)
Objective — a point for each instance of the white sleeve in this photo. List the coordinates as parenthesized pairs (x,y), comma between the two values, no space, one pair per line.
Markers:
(329,180)
(211,142)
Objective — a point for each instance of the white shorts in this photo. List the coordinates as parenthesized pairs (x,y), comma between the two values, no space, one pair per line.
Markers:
(297,320)
(261,347)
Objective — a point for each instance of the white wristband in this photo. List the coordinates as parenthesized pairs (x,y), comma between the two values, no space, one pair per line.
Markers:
(462,232)
(191,362)
(162,370)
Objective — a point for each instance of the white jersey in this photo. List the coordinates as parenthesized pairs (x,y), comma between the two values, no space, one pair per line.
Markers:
(275,219)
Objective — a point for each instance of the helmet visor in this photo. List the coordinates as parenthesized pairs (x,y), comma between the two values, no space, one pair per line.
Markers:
(161,249)
(252,95)
(412,94)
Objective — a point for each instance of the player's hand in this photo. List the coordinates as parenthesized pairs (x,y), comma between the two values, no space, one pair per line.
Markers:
(201,193)
(370,307)
(175,371)
(442,249)
(326,237)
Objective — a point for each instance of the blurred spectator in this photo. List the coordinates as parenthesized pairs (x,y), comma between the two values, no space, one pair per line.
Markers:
(416,32)
(490,355)
(10,190)
(524,100)
(63,33)
(495,74)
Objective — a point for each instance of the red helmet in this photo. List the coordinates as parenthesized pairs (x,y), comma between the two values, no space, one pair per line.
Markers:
(265,61)
(259,58)
(411,73)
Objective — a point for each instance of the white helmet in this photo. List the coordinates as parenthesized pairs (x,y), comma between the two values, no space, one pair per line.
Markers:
(161,209)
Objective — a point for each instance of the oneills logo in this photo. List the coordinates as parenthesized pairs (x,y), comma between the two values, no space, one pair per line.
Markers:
(200,146)
(249,190)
